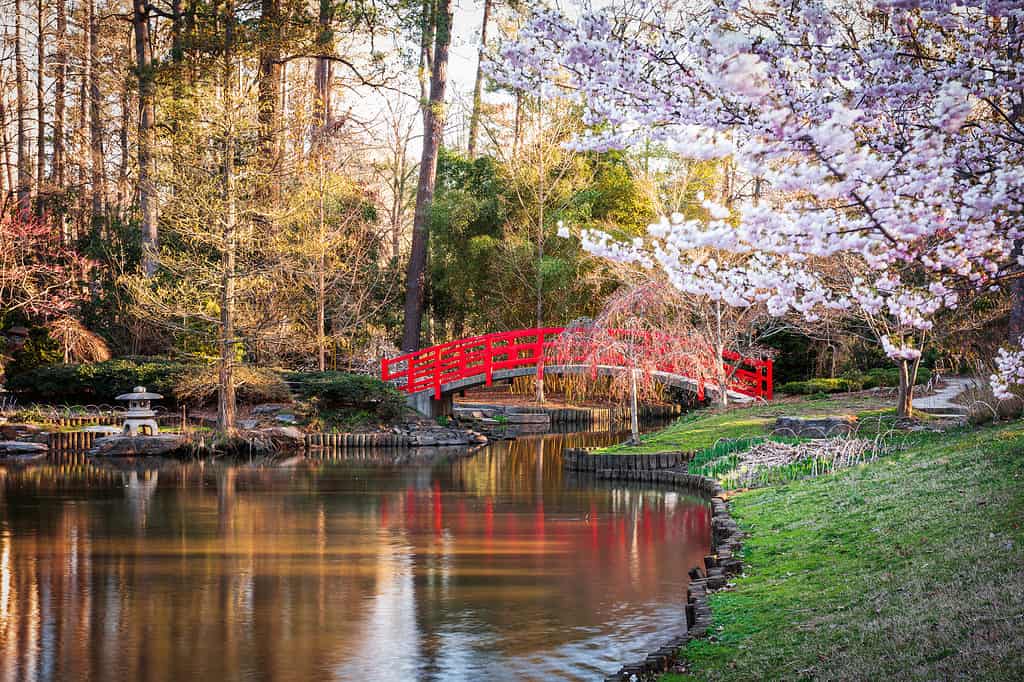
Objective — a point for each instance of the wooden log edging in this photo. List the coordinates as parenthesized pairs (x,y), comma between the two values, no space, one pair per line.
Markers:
(357,440)
(71,441)
(591,416)
(579,459)
(719,566)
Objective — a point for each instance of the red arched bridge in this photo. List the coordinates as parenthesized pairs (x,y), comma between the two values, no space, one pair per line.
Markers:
(437,372)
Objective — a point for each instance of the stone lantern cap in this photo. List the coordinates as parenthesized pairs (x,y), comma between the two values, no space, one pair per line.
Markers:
(139,393)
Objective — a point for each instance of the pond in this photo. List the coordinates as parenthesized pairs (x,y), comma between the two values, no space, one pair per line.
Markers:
(497,566)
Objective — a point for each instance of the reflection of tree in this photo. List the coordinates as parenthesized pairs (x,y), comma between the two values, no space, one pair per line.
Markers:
(316,572)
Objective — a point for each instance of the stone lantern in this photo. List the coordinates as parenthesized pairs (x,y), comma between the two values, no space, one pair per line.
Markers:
(140,417)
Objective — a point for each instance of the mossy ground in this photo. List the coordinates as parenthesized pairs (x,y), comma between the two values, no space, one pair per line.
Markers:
(910,567)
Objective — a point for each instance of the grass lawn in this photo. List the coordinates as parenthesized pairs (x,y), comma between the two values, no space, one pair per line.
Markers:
(702,428)
(910,567)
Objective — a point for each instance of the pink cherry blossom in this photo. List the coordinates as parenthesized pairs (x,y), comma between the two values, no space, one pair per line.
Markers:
(886,133)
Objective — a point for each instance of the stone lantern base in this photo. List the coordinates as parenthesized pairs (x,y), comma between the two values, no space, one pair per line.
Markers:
(140,426)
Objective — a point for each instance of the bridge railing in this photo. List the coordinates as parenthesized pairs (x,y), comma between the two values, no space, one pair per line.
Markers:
(430,369)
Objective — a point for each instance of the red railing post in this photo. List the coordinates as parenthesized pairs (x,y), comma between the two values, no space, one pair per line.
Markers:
(437,372)
(488,358)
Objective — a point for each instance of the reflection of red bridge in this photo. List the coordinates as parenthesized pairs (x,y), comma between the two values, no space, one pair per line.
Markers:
(439,371)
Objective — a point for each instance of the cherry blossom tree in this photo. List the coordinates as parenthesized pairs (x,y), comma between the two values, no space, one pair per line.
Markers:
(891,133)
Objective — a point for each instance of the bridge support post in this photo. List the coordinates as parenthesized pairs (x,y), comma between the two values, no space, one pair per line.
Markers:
(425,403)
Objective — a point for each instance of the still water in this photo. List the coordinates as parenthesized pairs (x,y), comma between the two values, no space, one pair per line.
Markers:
(495,566)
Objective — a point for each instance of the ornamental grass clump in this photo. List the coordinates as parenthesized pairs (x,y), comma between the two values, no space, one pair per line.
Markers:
(771,462)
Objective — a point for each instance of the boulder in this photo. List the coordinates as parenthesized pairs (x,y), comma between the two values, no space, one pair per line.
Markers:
(815,427)
(438,438)
(17,447)
(160,445)
(283,435)
(16,431)
(269,408)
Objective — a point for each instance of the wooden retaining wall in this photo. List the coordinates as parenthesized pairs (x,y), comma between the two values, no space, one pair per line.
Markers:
(357,440)
(72,441)
(578,459)
(594,416)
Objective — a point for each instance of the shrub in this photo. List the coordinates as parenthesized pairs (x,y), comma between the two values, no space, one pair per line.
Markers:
(96,382)
(889,377)
(333,390)
(253,385)
(837,385)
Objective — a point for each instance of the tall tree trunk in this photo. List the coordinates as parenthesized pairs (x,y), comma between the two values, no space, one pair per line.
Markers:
(721,374)
(226,404)
(517,126)
(7,179)
(81,131)
(541,200)
(478,84)
(322,76)
(177,30)
(270,79)
(147,137)
(40,105)
(59,86)
(21,78)
(321,283)
(99,192)
(433,127)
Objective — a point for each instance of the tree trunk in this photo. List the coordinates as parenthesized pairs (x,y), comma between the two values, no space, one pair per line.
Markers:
(322,76)
(7,180)
(95,118)
(147,137)
(226,407)
(321,286)
(905,394)
(517,127)
(433,127)
(270,79)
(59,86)
(21,80)
(541,199)
(478,84)
(122,201)
(81,135)
(1016,329)
(722,377)
(40,105)
(634,416)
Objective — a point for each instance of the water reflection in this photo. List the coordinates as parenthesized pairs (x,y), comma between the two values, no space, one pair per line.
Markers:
(495,566)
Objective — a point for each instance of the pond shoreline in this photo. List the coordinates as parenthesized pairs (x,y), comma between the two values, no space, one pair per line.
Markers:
(722,563)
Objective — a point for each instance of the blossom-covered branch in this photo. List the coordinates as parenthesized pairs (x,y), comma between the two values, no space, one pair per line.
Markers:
(888,132)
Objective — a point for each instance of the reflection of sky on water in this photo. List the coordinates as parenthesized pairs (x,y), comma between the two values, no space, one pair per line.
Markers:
(497,566)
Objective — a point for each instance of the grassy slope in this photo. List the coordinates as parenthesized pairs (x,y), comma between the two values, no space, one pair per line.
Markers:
(910,567)
(702,428)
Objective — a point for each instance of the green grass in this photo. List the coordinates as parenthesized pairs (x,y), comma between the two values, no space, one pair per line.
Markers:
(703,428)
(910,567)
